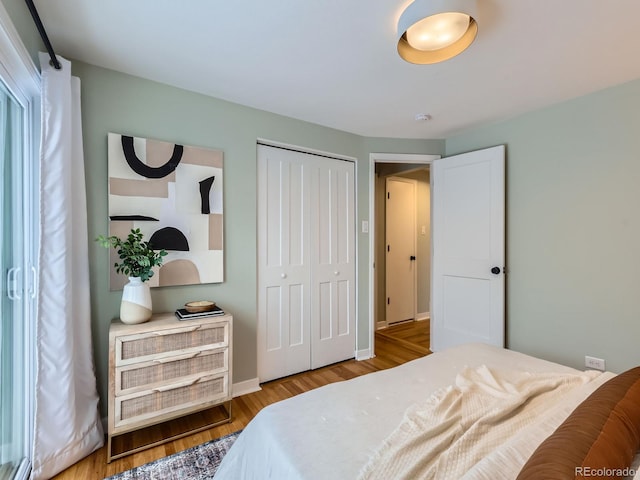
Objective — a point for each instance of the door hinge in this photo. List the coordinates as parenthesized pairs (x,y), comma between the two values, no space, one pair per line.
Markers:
(388,248)
(388,195)
(388,301)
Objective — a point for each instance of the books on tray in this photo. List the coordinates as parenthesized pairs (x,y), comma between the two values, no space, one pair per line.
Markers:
(182,313)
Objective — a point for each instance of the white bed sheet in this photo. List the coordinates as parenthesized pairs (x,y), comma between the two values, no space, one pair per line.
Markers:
(332,431)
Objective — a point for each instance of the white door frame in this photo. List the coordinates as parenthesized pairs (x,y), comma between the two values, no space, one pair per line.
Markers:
(374,158)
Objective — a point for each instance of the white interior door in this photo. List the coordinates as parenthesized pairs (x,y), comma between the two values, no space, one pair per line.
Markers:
(333,299)
(400,234)
(468,194)
(283,263)
(306,261)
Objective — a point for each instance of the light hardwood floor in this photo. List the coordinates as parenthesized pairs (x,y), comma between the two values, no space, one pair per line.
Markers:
(395,345)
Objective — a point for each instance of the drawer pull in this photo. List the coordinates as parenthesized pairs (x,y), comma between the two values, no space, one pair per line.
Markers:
(177,357)
(182,330)
(174,386)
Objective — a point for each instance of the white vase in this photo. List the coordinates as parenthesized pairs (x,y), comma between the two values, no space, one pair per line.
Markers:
(136,302)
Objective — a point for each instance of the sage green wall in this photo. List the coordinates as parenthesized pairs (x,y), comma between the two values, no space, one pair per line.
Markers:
(22,21)
(573,227)
(114,102)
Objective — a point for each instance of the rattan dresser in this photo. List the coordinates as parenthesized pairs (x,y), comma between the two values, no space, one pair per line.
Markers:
(167,379)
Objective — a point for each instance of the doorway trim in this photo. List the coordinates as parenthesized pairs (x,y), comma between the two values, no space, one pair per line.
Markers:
(419,159)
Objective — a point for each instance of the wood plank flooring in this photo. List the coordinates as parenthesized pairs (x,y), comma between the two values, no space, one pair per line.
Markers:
(414,336)
(394,345)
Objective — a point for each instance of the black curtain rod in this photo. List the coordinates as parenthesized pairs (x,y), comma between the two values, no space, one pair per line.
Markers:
(43,34)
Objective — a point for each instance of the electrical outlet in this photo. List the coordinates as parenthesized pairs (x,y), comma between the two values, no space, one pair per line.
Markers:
(594,363)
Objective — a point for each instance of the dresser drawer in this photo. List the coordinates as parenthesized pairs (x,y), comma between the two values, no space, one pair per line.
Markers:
(170,401)
(154,345)
(162,370)
(146,375)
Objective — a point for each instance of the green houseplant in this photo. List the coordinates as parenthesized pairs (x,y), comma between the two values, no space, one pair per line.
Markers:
(137,259)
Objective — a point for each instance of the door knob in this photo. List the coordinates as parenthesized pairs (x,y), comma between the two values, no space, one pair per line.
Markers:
(412,257)
(495,270)
(284,275)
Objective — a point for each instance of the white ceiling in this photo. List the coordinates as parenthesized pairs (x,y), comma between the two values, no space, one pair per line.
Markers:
(334,62)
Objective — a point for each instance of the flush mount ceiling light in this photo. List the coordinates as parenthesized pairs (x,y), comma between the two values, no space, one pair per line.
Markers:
(432,31)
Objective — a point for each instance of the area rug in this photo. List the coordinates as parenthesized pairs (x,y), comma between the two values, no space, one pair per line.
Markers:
(196,463)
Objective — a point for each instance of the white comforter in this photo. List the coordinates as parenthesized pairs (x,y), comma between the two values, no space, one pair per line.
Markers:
(335,431)
(459,425)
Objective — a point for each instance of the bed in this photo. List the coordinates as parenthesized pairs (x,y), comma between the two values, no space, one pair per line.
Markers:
(473,412)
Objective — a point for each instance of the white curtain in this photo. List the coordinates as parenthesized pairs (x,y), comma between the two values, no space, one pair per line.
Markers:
(67,425)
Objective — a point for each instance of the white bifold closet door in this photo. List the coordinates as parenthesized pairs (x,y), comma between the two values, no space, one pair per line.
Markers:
(306,261)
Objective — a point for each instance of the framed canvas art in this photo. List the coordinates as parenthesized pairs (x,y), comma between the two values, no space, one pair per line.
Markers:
(173,194)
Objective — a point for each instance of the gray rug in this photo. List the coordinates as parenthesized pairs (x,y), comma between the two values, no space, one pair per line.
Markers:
(196,463)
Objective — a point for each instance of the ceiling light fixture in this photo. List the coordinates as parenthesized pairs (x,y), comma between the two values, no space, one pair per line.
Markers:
(432,31)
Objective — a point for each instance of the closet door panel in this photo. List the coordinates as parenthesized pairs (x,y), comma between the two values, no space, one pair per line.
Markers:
(273,318)
(333,277)
(283,264)
(343,307)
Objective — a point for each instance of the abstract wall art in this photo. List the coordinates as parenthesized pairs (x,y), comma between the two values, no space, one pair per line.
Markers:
(173,194)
